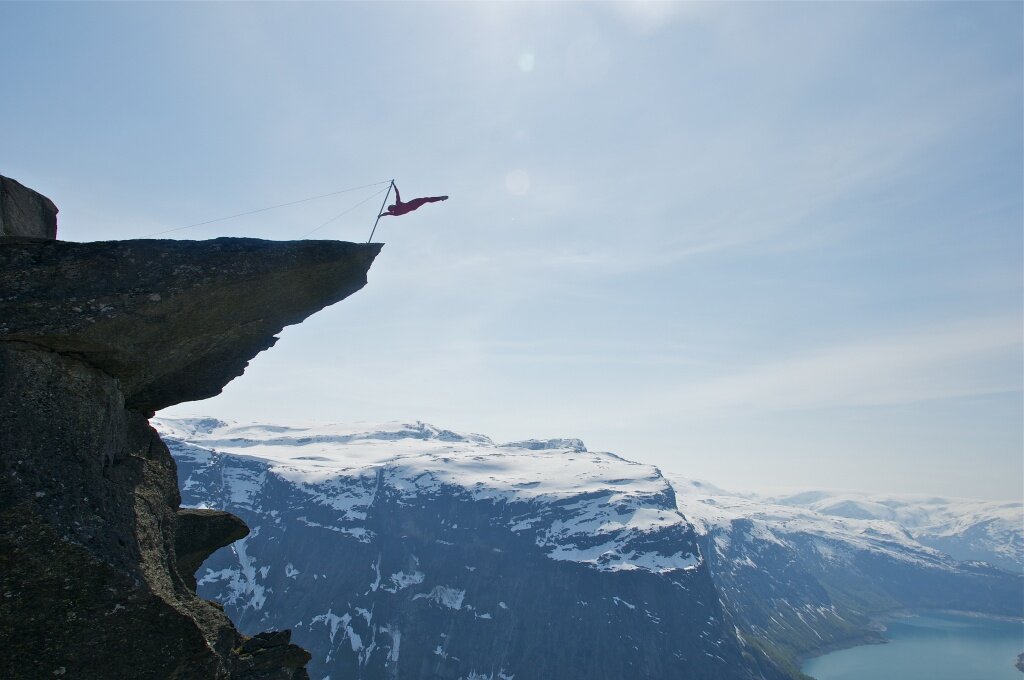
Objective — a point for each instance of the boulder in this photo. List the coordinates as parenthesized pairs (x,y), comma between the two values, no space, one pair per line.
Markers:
(25,213)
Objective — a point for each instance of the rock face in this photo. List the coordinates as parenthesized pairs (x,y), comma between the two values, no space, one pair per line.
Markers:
(402,551)
(199,534)
(94,549)
(805,580)
(173,321)
(25,213)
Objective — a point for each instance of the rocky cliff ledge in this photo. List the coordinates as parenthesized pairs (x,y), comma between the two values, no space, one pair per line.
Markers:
(96,557)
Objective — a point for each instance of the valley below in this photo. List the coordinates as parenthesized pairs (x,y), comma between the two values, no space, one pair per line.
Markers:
(402,550)
(929,645)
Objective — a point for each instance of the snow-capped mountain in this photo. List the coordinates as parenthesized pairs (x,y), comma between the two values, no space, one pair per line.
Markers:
(407,551)
(805,580)
(965,529)
(902,527)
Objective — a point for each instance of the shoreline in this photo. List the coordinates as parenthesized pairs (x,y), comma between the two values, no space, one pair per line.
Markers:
(877,629)
(977,615)
(869,638)
(908,613)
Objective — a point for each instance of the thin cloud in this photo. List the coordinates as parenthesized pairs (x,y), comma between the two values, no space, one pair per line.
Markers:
(961,360)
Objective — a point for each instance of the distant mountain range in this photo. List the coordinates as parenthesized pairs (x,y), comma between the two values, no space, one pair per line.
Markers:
(408,551)
(805,579)
(966,530)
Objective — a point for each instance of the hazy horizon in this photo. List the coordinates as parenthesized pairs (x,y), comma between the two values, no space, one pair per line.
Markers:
(768,245)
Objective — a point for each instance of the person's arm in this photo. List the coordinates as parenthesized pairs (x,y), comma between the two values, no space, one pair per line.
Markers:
(398,196)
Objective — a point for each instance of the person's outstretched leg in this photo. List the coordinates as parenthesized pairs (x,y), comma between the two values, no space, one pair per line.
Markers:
(417,202)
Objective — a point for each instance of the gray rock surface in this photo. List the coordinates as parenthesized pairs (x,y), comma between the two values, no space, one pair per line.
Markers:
(95,550)
(199,533)
(25,213)
(173,321)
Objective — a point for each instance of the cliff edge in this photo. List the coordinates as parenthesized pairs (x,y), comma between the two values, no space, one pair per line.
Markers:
(96,556)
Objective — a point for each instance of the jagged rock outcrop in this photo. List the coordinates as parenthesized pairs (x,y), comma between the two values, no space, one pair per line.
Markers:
(199,533)
(94,550)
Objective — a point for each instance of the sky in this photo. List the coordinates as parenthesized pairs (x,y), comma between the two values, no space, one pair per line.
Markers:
(773,246)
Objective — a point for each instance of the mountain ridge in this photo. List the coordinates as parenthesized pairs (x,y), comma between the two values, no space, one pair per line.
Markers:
(419,552)
(776,569)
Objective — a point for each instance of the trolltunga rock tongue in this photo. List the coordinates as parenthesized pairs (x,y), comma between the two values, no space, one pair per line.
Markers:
(173,321)
(96,555)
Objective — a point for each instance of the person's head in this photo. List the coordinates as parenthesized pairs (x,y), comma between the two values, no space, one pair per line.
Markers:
(392,207)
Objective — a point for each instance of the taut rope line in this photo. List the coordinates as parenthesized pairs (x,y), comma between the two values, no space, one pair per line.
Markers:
(279,205)
(346,211)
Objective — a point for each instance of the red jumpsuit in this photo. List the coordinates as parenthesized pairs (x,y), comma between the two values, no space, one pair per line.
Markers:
(400,208)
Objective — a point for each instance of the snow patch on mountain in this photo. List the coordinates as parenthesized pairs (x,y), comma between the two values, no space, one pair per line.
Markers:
(593,508)
(243,584)
(588,507)
(715,511)
(966,529)
(444,596)
(906,528)
(401,580)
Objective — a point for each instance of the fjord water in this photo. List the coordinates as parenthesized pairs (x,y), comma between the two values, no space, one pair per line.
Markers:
(930,647)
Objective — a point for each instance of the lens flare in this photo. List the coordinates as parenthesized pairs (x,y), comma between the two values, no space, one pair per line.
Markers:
(526,62)
(518,182)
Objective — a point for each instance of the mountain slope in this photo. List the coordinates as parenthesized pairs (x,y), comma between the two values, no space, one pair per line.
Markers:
(965,529)
(804,580)
(407,551)
(404,551)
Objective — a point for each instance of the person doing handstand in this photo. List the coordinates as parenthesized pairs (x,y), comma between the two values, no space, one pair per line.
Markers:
(400,207)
